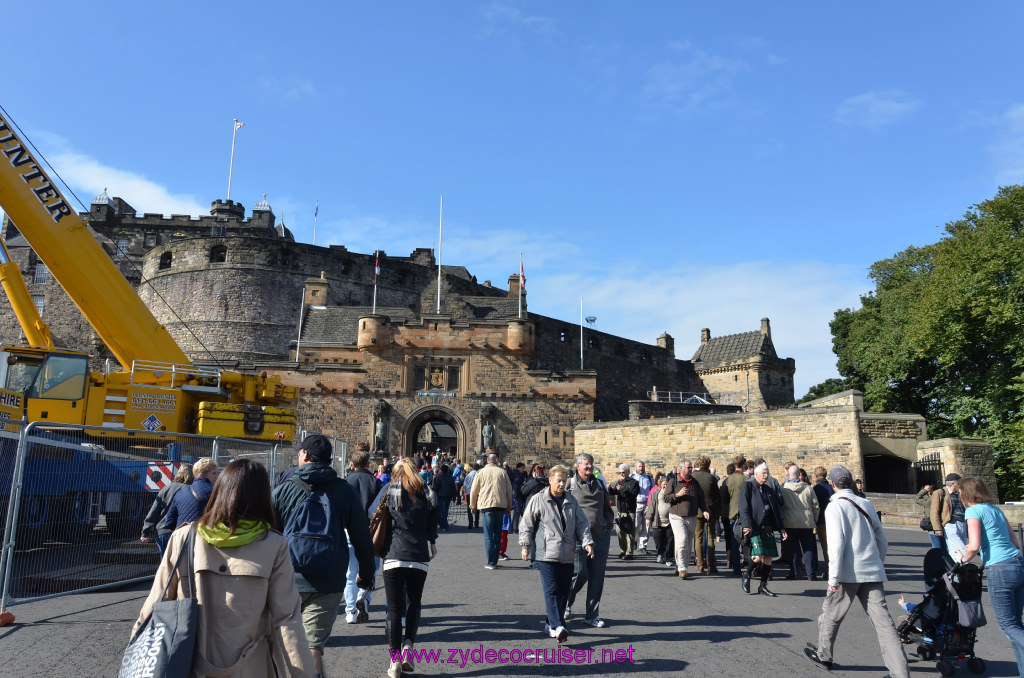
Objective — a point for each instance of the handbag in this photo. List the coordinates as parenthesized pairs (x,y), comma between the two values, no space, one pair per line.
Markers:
(380,528)
(926,524)
(164,644)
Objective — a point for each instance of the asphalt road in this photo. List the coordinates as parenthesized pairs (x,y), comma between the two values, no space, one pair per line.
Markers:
(657,625)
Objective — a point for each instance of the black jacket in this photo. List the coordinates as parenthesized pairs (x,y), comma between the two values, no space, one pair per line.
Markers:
(688,505)
(365,484)
(444,486)
(531,487)
(626,492)
(752,508)
(413,525)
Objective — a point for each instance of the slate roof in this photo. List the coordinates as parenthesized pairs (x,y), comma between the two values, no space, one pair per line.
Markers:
(734,347)
(491,308)
(340,324)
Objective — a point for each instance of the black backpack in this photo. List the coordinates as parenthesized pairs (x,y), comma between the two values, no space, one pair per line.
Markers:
(314,536)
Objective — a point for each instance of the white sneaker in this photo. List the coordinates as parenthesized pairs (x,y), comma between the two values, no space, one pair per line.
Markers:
(351,617)
(560,634)
(362,616)
(548,630)
(407,665)
(596,622)
(395,670)
(568,612)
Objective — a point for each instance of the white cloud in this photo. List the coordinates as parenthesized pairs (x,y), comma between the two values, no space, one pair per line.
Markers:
(1008,151)
(286,89)
(698,81)
(503,18)
(876,109)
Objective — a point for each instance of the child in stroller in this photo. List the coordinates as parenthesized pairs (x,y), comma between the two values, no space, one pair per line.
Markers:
(944,623)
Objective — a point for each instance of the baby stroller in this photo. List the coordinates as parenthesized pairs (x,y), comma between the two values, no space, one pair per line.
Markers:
(945,623)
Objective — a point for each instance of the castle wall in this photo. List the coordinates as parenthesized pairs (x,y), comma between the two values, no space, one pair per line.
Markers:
(757,384)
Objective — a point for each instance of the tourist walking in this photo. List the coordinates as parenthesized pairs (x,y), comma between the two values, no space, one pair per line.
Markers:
(491,495)
(947,515)
(187,506)
(153,528)
(646,485)
(686,498)
(411,545)
(856,569)
(249,620)
(799,514)
(760,518)
(565,528)
(989,533)
(590,493)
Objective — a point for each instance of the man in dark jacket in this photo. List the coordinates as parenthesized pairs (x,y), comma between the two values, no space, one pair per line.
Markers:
(322,595)
(823,493)
(366,485)
(186,507)
(626,489)
(705,537)
(687,501)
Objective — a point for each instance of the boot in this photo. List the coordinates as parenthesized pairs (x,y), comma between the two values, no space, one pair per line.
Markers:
(766,572)
(745,578)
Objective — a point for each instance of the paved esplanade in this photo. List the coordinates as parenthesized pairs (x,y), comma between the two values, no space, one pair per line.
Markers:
(701,627)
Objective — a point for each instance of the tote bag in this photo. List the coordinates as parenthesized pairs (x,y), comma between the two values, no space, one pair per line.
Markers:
(164,644)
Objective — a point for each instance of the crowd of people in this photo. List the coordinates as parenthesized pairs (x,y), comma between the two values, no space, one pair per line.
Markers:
(564,518)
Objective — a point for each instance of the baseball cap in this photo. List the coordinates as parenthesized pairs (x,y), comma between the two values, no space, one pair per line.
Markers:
(317,445)
(952,477)
(841,476)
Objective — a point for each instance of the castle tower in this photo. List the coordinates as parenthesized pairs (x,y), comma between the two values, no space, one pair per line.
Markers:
(744,369)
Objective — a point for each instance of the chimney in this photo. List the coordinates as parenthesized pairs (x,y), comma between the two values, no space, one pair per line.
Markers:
(766,328)
(705,336)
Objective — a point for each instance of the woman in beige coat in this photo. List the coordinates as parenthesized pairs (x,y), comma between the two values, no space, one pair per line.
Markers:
(249,619)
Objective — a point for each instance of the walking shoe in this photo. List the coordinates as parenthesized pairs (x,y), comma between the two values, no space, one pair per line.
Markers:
(621,556)
(812,654)
(395,670)
(502,556)
(351,618)
(362,616)
(661,560)
(669,563)
(629,556)
(568,612)
(745,583)
(407,666)
(489,567)
(596,622)
(684,575)
(763,589)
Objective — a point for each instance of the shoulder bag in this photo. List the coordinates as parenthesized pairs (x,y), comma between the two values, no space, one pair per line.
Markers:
(164,644)
(380,527)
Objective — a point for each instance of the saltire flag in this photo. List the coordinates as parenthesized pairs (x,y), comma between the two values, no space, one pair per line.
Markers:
(239,124)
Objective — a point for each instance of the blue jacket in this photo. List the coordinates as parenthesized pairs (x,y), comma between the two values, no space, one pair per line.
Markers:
(188,504)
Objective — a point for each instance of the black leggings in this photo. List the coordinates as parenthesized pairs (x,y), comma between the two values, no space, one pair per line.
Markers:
(404,589)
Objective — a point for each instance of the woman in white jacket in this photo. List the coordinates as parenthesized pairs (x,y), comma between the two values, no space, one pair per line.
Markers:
(564,525)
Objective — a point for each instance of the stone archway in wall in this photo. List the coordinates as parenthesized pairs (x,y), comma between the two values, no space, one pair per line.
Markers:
(438,421)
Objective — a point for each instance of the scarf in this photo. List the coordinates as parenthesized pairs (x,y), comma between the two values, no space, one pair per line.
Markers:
(247,532)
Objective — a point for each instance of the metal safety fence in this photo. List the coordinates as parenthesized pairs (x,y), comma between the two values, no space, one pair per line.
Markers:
(74,501)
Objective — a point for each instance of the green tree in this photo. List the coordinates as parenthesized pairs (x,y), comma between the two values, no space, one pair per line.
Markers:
(830,386)
(942,334)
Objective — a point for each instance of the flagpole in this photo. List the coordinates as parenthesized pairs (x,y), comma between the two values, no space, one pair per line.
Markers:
(581,333)
(231,165)
(440,234)
(316,213)
(298,341)
(376,270)
(520,284)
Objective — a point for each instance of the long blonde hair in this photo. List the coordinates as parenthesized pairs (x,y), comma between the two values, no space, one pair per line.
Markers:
(405,472)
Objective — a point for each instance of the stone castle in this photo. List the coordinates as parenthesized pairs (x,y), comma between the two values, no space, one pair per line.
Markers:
(240,292)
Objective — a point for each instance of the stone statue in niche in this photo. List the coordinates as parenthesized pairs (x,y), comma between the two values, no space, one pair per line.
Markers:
(380,427)
(487,433)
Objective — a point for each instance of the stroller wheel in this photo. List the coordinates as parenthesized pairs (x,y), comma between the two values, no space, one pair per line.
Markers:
(945,667)
(975,665)
(923,651)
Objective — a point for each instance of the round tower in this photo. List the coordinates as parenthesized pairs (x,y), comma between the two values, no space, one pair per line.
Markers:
(374,331)
(520,336)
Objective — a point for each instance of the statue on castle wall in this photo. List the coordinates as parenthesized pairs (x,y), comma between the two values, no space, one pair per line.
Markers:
(487,433)
(487,414)
(380,427)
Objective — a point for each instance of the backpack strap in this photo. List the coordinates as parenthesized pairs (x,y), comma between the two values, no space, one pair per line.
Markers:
(306,487)
(862,511)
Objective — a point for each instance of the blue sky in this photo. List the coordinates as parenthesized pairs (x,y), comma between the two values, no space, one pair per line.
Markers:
(680,165)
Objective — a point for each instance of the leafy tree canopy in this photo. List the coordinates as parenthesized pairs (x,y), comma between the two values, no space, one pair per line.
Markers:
(942,334)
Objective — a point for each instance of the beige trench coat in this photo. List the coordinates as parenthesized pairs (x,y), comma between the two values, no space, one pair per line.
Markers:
(249,613)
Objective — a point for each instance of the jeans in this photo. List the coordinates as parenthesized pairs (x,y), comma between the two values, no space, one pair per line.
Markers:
(161,542)
(956,537)
(589,572)
(404,588)
(735,559)
(1006,595)
(802,548)
(351,590)
(706,542)
(490,518)
(643,533)
(936,540)
(443,506)
(556,581)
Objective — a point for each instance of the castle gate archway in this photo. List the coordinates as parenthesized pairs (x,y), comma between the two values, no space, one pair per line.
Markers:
(431,427)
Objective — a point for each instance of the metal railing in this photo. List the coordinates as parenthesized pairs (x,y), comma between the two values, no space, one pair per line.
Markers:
(74,501)
(680,397)
(183,371)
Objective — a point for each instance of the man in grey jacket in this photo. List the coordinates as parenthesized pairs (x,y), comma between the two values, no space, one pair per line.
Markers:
(856,569)
(592,495)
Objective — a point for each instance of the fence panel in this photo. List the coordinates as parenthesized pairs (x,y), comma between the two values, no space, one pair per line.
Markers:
(78,498)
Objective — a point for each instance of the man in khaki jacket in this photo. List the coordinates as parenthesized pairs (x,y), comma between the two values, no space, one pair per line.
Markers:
(491,495)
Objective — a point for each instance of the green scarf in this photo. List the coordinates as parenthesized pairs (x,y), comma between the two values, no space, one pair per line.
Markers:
(246,533)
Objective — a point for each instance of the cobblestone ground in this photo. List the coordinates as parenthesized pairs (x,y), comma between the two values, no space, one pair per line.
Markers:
(657,625)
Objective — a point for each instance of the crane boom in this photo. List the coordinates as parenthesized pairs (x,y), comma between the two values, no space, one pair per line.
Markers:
(76,260)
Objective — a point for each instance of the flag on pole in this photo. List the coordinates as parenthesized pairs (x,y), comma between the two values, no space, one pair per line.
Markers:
(376,266)
(522,276)
(316,212)
(239,124)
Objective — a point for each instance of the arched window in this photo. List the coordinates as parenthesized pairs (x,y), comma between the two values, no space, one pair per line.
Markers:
(218,254)
(165,261)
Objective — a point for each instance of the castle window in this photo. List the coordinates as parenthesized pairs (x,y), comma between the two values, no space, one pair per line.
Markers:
(41,274)
(40,301)
(453,378)
(218,230)
(165,261)
(218,254)
(593,343)
(563,337)
(122,248)
(645,357)
(151,240)
(419,378)
(284,258)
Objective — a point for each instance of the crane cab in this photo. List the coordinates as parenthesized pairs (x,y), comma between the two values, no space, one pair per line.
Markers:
(40,384)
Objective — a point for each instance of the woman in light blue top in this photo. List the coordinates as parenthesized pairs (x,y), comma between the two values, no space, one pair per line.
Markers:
(989,532)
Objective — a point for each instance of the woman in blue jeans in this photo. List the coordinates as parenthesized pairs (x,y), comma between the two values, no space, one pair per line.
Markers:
(564,525)
(989,532)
